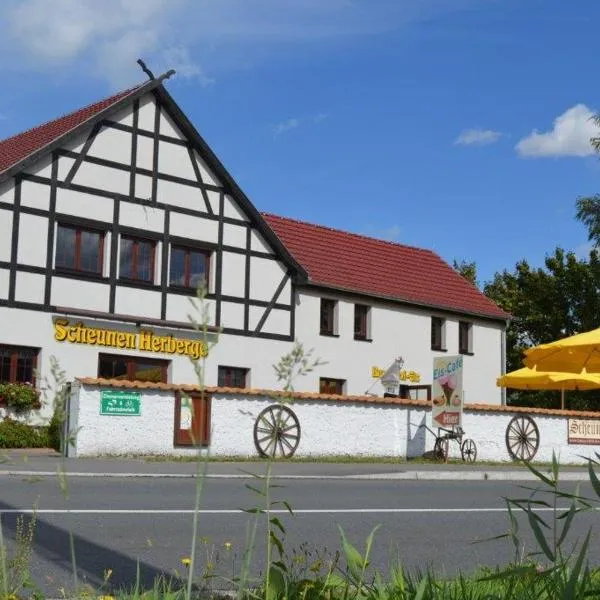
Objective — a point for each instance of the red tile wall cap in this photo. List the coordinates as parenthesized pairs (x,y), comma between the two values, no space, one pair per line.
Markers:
(361,264)
(278,394)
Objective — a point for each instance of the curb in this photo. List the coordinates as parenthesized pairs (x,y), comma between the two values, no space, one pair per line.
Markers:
(400,476)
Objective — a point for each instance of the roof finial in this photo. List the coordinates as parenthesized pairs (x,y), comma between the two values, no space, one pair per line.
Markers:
(145,68)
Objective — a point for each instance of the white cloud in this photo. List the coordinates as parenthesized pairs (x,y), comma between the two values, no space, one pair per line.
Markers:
(570,136)
(285,126)
(477,137)
(105,37)
(389,234)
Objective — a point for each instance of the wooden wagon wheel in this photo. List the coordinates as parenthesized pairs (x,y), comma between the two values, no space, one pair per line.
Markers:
(277,432)
(440,449)
(522,438)
(468,450)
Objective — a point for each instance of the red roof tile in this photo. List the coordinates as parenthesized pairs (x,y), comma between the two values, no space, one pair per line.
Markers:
(18,147)
(357,263)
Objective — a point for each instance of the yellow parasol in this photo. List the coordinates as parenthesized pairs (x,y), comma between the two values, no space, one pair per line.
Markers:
(532,379)
(576,354)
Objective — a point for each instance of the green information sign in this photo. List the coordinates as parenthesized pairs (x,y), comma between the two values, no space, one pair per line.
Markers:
(120,404)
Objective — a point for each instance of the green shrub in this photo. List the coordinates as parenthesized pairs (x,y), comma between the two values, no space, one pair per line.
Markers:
(54,432)
(21,397)
(14,434)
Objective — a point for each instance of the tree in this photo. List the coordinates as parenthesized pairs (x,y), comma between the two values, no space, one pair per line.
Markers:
(588,208)
(467,269)
(558,300)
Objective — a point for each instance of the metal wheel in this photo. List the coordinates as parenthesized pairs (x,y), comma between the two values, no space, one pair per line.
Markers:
(276,432)
(468,450)
(440,449)
(522,438)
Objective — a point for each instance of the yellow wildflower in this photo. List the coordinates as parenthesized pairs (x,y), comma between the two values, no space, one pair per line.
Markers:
(186,561)
(106,598)
(227,545)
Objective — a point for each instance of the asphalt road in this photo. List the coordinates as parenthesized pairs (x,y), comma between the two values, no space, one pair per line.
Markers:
(117,522)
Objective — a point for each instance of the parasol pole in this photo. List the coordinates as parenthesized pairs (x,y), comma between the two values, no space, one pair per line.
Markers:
(562,399)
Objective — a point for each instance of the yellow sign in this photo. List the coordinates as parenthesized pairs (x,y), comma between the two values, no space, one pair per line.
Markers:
(78,333)
(412,376)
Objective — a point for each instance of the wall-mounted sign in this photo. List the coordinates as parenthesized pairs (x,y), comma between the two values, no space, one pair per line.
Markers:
(583,431)
(118,403)
(447,392)
(147,341)
(412,376)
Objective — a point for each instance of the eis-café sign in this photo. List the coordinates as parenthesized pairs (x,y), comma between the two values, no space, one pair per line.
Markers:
(447,403)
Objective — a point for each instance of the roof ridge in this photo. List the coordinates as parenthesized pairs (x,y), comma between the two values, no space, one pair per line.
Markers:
(121,94)
(360,235)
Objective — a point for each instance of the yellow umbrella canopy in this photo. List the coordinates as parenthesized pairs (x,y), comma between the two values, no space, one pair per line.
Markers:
(576,354)
(532,379)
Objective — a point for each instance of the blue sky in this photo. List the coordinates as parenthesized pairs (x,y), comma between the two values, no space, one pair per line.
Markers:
(410,120)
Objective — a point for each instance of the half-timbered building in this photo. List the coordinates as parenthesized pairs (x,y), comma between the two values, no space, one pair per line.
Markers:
(112,215)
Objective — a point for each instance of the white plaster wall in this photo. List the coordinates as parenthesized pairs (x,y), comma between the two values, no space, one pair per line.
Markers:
(112,144)
(213,200)
(6,223)
(42,167)
(87,295)
(141,217)
(395,331)
(103,178)
(265,277)
(145,152)
(232,315)
(4,277)
(64,166)
(33,235)
(168,127)
(194,228)
(179,307)
(142,303)
(124,116)
(278,321)
(70,202)
(327,428)
(207,175)
(258,243)
(143,187)
(174,159)
(35,195)
(177,194)
(234,274)
(30,287)
(232,210)
(146,113)
(234,235)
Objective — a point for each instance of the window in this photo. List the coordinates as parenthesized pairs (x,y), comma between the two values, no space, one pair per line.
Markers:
(331,386)
(192,420)
(189,268)
(137,259)
(465,338)
(112,366)
(17,364)
(416,392)
(361,322)
(235,377)
(79,249)
(438,333)
(328,316)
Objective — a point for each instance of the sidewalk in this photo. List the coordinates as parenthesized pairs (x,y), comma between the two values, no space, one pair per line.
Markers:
(44,463)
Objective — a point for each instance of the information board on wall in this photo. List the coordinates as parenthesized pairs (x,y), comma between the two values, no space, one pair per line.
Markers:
(584,431)
(120,403)
(447,391)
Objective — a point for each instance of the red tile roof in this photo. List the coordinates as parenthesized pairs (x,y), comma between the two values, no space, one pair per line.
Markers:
(358,263)
(14,149)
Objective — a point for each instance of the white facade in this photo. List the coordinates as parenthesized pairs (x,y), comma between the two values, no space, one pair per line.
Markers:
(328,428)
(136,174)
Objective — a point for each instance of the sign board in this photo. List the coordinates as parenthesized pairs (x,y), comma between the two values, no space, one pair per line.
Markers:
(447,391)
(145,341)
(412,376)
(120,404)
(583,431)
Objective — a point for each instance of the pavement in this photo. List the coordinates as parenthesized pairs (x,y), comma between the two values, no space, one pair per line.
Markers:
(45,463)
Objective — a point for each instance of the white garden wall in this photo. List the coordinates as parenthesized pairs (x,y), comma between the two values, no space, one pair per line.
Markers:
(355,426)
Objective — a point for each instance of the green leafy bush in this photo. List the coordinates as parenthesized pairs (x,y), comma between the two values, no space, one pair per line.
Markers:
(21,397)
(14,434)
